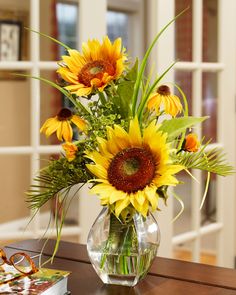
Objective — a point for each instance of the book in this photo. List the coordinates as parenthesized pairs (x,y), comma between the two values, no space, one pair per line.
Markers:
(44,282)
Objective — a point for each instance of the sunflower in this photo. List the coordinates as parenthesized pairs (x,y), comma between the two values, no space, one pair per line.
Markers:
(171,102)
(94,68)
(62,125)
(130,167)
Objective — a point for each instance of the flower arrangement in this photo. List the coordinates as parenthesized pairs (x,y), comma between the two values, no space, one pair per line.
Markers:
(127,135)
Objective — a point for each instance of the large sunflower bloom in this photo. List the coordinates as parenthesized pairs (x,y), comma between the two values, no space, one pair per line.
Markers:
(130,167)
(62,125)
(163,96)
(94,68)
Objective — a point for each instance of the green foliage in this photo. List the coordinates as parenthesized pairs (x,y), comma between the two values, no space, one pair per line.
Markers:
(125,91)
(57,176)
(174,127)
(212,160)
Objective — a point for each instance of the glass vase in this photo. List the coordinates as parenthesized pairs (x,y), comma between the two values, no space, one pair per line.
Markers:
(122,252)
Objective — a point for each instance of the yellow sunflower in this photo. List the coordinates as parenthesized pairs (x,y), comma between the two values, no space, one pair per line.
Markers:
(163,96)
(130,167)
(62,125)
(94,68)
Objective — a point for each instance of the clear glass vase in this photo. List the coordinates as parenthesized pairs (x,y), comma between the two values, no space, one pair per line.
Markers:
(122,252)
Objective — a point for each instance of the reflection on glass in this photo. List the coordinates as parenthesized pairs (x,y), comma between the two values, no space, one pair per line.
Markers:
(67,17)
(210,31)
(183,31)
(209,105)
(117,26)
(184,80)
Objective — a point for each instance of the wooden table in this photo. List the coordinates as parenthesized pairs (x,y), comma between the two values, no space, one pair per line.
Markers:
(166,277)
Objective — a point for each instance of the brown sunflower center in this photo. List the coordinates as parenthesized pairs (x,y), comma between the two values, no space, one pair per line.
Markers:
(64,114)
(132,169)
(163,90)
(95,69)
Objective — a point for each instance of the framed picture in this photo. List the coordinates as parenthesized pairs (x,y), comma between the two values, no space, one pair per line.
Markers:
(14,40)
(10,40)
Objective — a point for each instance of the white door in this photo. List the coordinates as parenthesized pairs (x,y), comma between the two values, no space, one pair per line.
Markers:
(204,43)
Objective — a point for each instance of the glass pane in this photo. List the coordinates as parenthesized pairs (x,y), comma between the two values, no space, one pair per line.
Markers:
(184,80)
(14,38)
(117,26)
(15,110)
(183,251)
(51,103)
(67,19)
(209,210)
(210,31)
(183,31)
(15,179)
(209,105)
(58,20)
(208,249)
(184,221)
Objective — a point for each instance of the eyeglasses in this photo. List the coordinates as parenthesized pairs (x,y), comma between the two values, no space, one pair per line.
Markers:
(20,261)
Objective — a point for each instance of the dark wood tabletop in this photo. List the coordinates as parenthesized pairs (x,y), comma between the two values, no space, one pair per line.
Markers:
(166,276)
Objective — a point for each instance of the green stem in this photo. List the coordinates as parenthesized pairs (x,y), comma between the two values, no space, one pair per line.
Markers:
(144,62)
(145,99)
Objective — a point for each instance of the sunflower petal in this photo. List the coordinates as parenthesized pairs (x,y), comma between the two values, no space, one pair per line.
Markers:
(135,133)
(121,205)
(97,170)
(152,196)
(79,122)
(116,196)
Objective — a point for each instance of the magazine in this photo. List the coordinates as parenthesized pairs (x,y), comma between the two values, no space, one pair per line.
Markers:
(45,282)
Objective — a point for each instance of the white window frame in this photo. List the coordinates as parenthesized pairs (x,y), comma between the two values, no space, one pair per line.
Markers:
(224,227)
(34,66)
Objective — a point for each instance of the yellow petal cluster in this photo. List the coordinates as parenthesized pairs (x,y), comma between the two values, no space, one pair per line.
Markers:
(94,68)
(62,128)
(170,102)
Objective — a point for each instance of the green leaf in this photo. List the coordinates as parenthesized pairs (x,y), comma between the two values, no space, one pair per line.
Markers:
(174,127)
(212,161)
(125,91)
(133,72)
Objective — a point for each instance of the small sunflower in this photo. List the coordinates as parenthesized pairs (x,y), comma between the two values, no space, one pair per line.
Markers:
(62,125)
(191,143)
(70,150)
(94,68)
(171,102)
(131,167)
